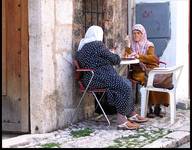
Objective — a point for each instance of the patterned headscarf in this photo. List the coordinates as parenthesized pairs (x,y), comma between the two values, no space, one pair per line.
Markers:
(141,46)
(94,33)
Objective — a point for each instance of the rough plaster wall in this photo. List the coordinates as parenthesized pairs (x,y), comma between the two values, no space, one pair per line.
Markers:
(115,26)
(69,31)
(55,30)
(35,63)
(108,24)
(120,21)
(48,46)
(115,23)
(41,47)
(63,57)
(78,33)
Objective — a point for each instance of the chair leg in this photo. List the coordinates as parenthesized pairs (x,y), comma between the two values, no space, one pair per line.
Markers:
(100,99)
(172,106)
(144,101)
(83,95)
(101,108)
(146,104)
(78,105)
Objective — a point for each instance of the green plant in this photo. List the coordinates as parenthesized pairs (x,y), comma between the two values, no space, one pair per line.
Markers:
(50,145)
(81,132)
(139,139)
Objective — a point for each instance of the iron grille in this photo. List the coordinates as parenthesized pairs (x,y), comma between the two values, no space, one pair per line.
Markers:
(93,13)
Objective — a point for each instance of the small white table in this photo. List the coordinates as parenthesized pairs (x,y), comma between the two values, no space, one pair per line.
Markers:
(126,62)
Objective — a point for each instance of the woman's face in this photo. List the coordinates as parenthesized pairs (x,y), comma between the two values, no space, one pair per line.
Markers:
(137,35)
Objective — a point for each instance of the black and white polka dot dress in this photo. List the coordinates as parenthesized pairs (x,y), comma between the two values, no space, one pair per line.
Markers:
(96,56)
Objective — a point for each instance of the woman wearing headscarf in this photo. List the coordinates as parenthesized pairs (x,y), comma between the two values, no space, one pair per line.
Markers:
(141,48)
(92,53)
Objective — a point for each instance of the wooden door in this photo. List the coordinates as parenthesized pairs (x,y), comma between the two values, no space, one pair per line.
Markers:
(15,67)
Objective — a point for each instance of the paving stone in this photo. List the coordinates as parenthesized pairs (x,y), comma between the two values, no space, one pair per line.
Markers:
(186,145)
(171,140)
(155,133)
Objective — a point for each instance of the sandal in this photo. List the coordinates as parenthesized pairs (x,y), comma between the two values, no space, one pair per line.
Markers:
(151,115)
(125,126)
(136,119)
(161,115)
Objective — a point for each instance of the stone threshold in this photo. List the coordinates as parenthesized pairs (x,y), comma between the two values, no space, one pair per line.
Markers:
(172,140)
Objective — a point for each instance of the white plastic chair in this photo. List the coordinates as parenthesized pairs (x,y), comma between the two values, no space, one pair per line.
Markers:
(176,70)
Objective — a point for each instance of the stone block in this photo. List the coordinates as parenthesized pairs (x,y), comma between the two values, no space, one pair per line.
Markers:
(180,136)
(65,79)
(64,118)
(64,12)
(64,38)
(171,140)
(47,14)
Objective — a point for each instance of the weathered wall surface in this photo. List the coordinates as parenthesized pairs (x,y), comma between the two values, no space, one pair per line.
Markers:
(54,31)
(116,25)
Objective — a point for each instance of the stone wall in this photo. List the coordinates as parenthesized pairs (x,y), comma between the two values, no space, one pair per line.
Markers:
(116,26)
(42,85)
(55,29)
(78,34)
(54,32)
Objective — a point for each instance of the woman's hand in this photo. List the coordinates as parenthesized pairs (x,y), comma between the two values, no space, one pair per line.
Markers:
(137,56)
(112,50)
(134,55)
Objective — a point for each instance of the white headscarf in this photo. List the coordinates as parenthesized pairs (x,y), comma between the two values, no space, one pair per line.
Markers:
(94,33)
(141,46)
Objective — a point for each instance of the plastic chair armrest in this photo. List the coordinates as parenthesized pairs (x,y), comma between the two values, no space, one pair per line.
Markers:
(162,62)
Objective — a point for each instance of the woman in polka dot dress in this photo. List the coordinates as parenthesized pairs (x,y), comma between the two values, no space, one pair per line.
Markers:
(92,53)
